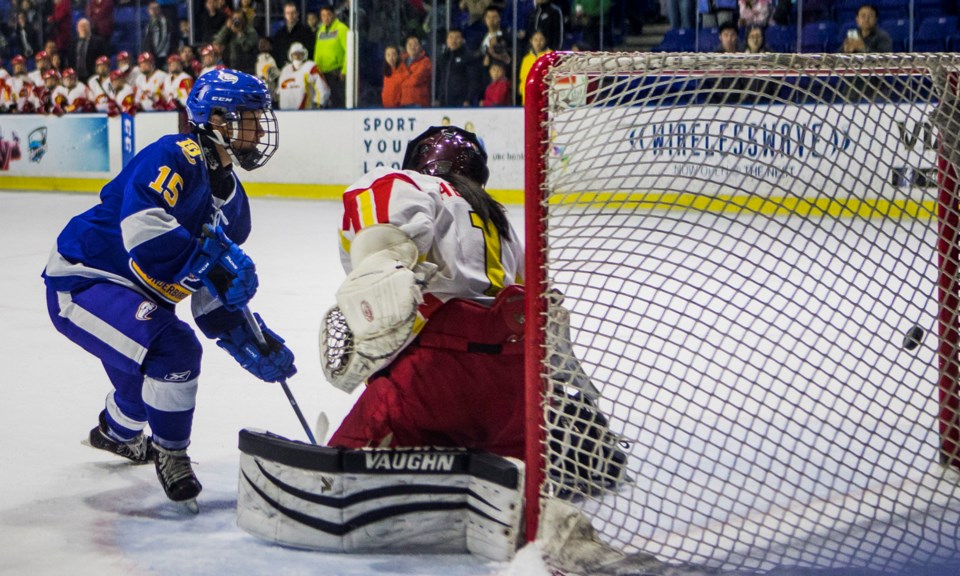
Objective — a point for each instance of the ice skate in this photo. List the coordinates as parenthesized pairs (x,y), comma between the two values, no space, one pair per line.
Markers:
(138,450)
(177,478)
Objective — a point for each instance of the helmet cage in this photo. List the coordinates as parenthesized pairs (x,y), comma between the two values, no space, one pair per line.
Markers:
(229,94)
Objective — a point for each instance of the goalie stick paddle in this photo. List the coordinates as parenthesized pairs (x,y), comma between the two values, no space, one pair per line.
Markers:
(255,327)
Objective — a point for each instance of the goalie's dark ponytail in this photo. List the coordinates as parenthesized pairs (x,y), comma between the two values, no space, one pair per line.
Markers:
(482,203)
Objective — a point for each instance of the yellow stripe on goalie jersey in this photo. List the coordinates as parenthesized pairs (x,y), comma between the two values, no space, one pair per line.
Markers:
(366,207)
(171,292)
(492,262)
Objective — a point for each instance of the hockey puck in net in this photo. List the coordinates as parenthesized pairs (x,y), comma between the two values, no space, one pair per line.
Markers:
(912,338)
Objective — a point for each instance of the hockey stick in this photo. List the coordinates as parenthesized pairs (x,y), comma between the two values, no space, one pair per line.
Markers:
(208,232)
(255,327)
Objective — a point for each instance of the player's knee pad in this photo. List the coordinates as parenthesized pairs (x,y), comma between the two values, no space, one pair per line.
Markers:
(174,355)
(171,369)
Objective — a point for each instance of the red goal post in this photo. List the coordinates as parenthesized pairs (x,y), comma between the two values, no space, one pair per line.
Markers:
(770,335)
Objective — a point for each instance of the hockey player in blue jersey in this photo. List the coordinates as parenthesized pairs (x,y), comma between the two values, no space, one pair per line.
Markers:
(169,227)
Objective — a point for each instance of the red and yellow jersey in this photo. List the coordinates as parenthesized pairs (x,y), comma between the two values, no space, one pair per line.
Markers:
(150,91)
(124,101)
(474,261)
(302,87)
(78,99)
(101,93)
(23,94)
(177,87)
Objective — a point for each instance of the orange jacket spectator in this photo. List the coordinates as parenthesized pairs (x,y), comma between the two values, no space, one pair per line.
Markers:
(392,77)
(392,87)
(416,70)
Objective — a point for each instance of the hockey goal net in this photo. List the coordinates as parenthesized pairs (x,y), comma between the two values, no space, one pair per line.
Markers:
(757,256)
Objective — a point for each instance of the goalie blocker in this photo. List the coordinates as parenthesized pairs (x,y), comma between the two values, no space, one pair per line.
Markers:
(419,500)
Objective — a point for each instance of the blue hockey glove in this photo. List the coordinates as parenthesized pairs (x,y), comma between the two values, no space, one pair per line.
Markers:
(225,270)
(271,364)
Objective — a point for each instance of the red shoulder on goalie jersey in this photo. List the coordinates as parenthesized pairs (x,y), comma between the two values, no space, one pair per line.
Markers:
(433,266)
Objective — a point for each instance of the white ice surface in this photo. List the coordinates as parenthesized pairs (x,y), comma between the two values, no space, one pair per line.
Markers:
(66,509)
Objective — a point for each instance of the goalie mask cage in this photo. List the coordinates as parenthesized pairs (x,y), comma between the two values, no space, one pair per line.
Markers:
(758,257)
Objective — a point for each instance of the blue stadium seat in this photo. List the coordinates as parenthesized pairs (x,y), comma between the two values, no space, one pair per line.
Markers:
(818,36)
(781,38)
(934,33)
(677,40)
(899,31)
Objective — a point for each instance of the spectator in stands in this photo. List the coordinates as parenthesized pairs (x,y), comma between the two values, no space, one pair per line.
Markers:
(392,77)
(547,18)
(493,47)
(756,40)
(330,54)
(210,21)
(169,10)
(191,65)
(53,53)
(184,37)
(729,39)
(156,33)
(538,47)
(475,9)
(293,30)
(254,13)
(100,13)
(84,50)
(589,14)
(26,33)
(240,44)
(312,21)
(457,73)
(59,24)
(416,70)
(498,90)
(682,14)
(867,37)
(754,13)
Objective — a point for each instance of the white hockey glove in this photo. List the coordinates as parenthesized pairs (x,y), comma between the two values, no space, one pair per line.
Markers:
(376,306)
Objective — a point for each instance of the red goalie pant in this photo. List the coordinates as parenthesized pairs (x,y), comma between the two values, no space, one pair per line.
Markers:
(459,384)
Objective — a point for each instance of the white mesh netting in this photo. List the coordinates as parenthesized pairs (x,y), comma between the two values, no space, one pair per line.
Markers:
(762,366)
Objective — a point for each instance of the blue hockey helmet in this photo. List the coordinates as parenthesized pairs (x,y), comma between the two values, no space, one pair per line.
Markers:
(444,150)
(230,94)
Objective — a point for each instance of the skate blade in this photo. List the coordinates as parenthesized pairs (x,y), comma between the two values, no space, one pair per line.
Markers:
(190,506)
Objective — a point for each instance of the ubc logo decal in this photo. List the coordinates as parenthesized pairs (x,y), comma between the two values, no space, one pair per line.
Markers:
(227,76)
(145,310)
(177,376)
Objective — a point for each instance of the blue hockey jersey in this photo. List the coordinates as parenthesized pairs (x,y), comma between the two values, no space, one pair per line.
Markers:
(146,231)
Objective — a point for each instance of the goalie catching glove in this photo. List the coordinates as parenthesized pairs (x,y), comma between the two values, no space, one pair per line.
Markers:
(271,363)
(225,269)
(376,306)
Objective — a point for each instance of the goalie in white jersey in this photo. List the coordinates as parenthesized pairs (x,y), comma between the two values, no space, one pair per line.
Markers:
(430,314)
(301,85)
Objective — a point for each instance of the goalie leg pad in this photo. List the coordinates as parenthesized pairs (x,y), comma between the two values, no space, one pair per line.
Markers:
(379,501)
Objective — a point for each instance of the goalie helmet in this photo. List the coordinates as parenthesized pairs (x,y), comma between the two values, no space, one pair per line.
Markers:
(248,130)
(442,150)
